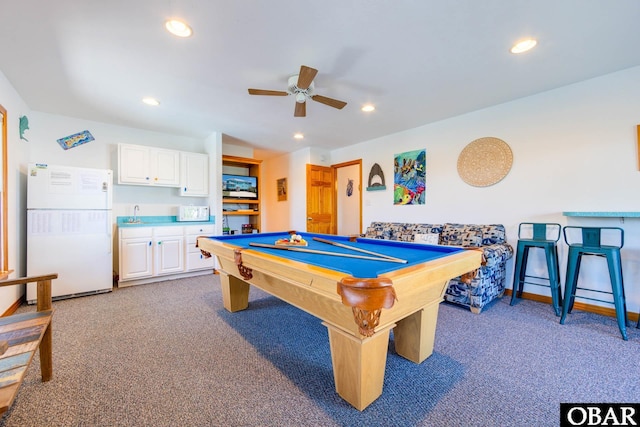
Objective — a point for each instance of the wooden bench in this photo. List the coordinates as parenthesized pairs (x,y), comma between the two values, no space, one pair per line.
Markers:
(21,335)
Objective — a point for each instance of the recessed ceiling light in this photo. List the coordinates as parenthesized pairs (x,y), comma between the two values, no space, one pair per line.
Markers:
(524,45)
(298,136)
(178,28)
(368,108)
(150,101)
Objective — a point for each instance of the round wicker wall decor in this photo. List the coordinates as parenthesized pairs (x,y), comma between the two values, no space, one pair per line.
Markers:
(485,162)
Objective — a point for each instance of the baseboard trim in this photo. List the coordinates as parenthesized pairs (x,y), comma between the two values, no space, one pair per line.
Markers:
(156,279)
(12,309)
(578,305)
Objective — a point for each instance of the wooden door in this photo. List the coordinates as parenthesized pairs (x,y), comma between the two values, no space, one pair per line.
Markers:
(320,199)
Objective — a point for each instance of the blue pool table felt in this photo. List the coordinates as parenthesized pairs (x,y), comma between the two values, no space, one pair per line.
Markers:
(361,268)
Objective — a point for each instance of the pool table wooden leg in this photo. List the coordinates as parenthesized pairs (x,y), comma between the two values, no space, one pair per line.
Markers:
(235,292)
(358,365)
(415,334)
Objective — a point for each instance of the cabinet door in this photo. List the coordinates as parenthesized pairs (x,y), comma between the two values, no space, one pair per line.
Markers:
(165,167)
(136,260)
(169,251)
(133,164)
(194,174)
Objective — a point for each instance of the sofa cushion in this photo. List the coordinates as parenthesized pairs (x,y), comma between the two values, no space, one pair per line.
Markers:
(493,233)
(399,230)
(378,230)
(462,235)
(471,238)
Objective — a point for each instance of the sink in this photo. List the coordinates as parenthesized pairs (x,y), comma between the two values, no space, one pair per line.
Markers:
(133,221)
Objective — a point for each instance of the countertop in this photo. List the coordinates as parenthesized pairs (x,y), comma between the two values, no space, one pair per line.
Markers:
(604,214)
(157,221)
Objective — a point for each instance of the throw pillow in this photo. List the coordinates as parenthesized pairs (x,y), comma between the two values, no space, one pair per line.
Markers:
(427,238)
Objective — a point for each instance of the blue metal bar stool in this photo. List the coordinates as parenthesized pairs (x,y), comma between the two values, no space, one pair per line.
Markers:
(591,244)
(543,236)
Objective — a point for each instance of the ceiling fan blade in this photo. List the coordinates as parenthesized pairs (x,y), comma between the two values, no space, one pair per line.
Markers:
(306,76)
(329,101)
(267,92)
(301,109)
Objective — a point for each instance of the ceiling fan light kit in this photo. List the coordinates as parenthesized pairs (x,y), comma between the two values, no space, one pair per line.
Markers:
(302,88)
(301,97)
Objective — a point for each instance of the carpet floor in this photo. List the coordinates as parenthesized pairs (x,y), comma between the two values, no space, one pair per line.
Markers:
(168,354)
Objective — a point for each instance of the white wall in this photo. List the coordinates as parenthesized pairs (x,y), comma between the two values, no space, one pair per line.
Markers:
(102,153)
(292,166)
(16,180)
(574,149)
(348,205)
(276,215)
(42,147)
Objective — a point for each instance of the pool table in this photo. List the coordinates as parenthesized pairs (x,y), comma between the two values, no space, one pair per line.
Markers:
(358,296)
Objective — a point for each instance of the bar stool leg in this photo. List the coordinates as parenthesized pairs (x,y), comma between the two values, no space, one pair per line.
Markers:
(554,277)
(615,274)
(573,269)
(519,273)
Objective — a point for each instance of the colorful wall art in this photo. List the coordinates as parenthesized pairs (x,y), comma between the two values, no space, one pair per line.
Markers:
(409,185)
(75,139)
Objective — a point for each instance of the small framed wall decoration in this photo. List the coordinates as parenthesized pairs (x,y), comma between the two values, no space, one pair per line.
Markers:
(376,178)
(75,139)
(282,189)
(409,184)
(24,126)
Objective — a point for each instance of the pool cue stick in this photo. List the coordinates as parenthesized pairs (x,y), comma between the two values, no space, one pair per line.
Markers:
(315,251)
(353,248)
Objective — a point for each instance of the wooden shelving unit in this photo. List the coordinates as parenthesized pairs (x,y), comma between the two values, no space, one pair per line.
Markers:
(249,208)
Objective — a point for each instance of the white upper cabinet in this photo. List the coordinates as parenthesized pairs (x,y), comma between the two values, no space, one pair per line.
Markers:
(165,167)
(142,165)
(194,174)
(133,164)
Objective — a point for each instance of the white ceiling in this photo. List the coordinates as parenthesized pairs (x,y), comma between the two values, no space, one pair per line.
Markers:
(418,61)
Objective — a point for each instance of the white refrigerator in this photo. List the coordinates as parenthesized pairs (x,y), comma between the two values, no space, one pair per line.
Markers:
(69,229)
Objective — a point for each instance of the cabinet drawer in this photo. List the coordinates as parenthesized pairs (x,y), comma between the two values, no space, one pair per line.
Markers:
(200,230)
(191,244)
(197,261)
(133,232)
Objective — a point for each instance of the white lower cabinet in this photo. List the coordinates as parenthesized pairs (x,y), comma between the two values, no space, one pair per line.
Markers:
(149,254)
(136,253)
(168,247)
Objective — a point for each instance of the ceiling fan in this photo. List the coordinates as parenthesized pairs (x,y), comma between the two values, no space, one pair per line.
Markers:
(301,86)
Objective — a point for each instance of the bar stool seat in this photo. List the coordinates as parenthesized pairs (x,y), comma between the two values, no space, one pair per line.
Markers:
(591,244)
(544,236)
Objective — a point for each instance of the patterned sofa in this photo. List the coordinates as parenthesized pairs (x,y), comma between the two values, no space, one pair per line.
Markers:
(489,282)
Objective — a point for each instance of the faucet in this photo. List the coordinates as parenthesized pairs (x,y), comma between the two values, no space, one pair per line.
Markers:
(136,208)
